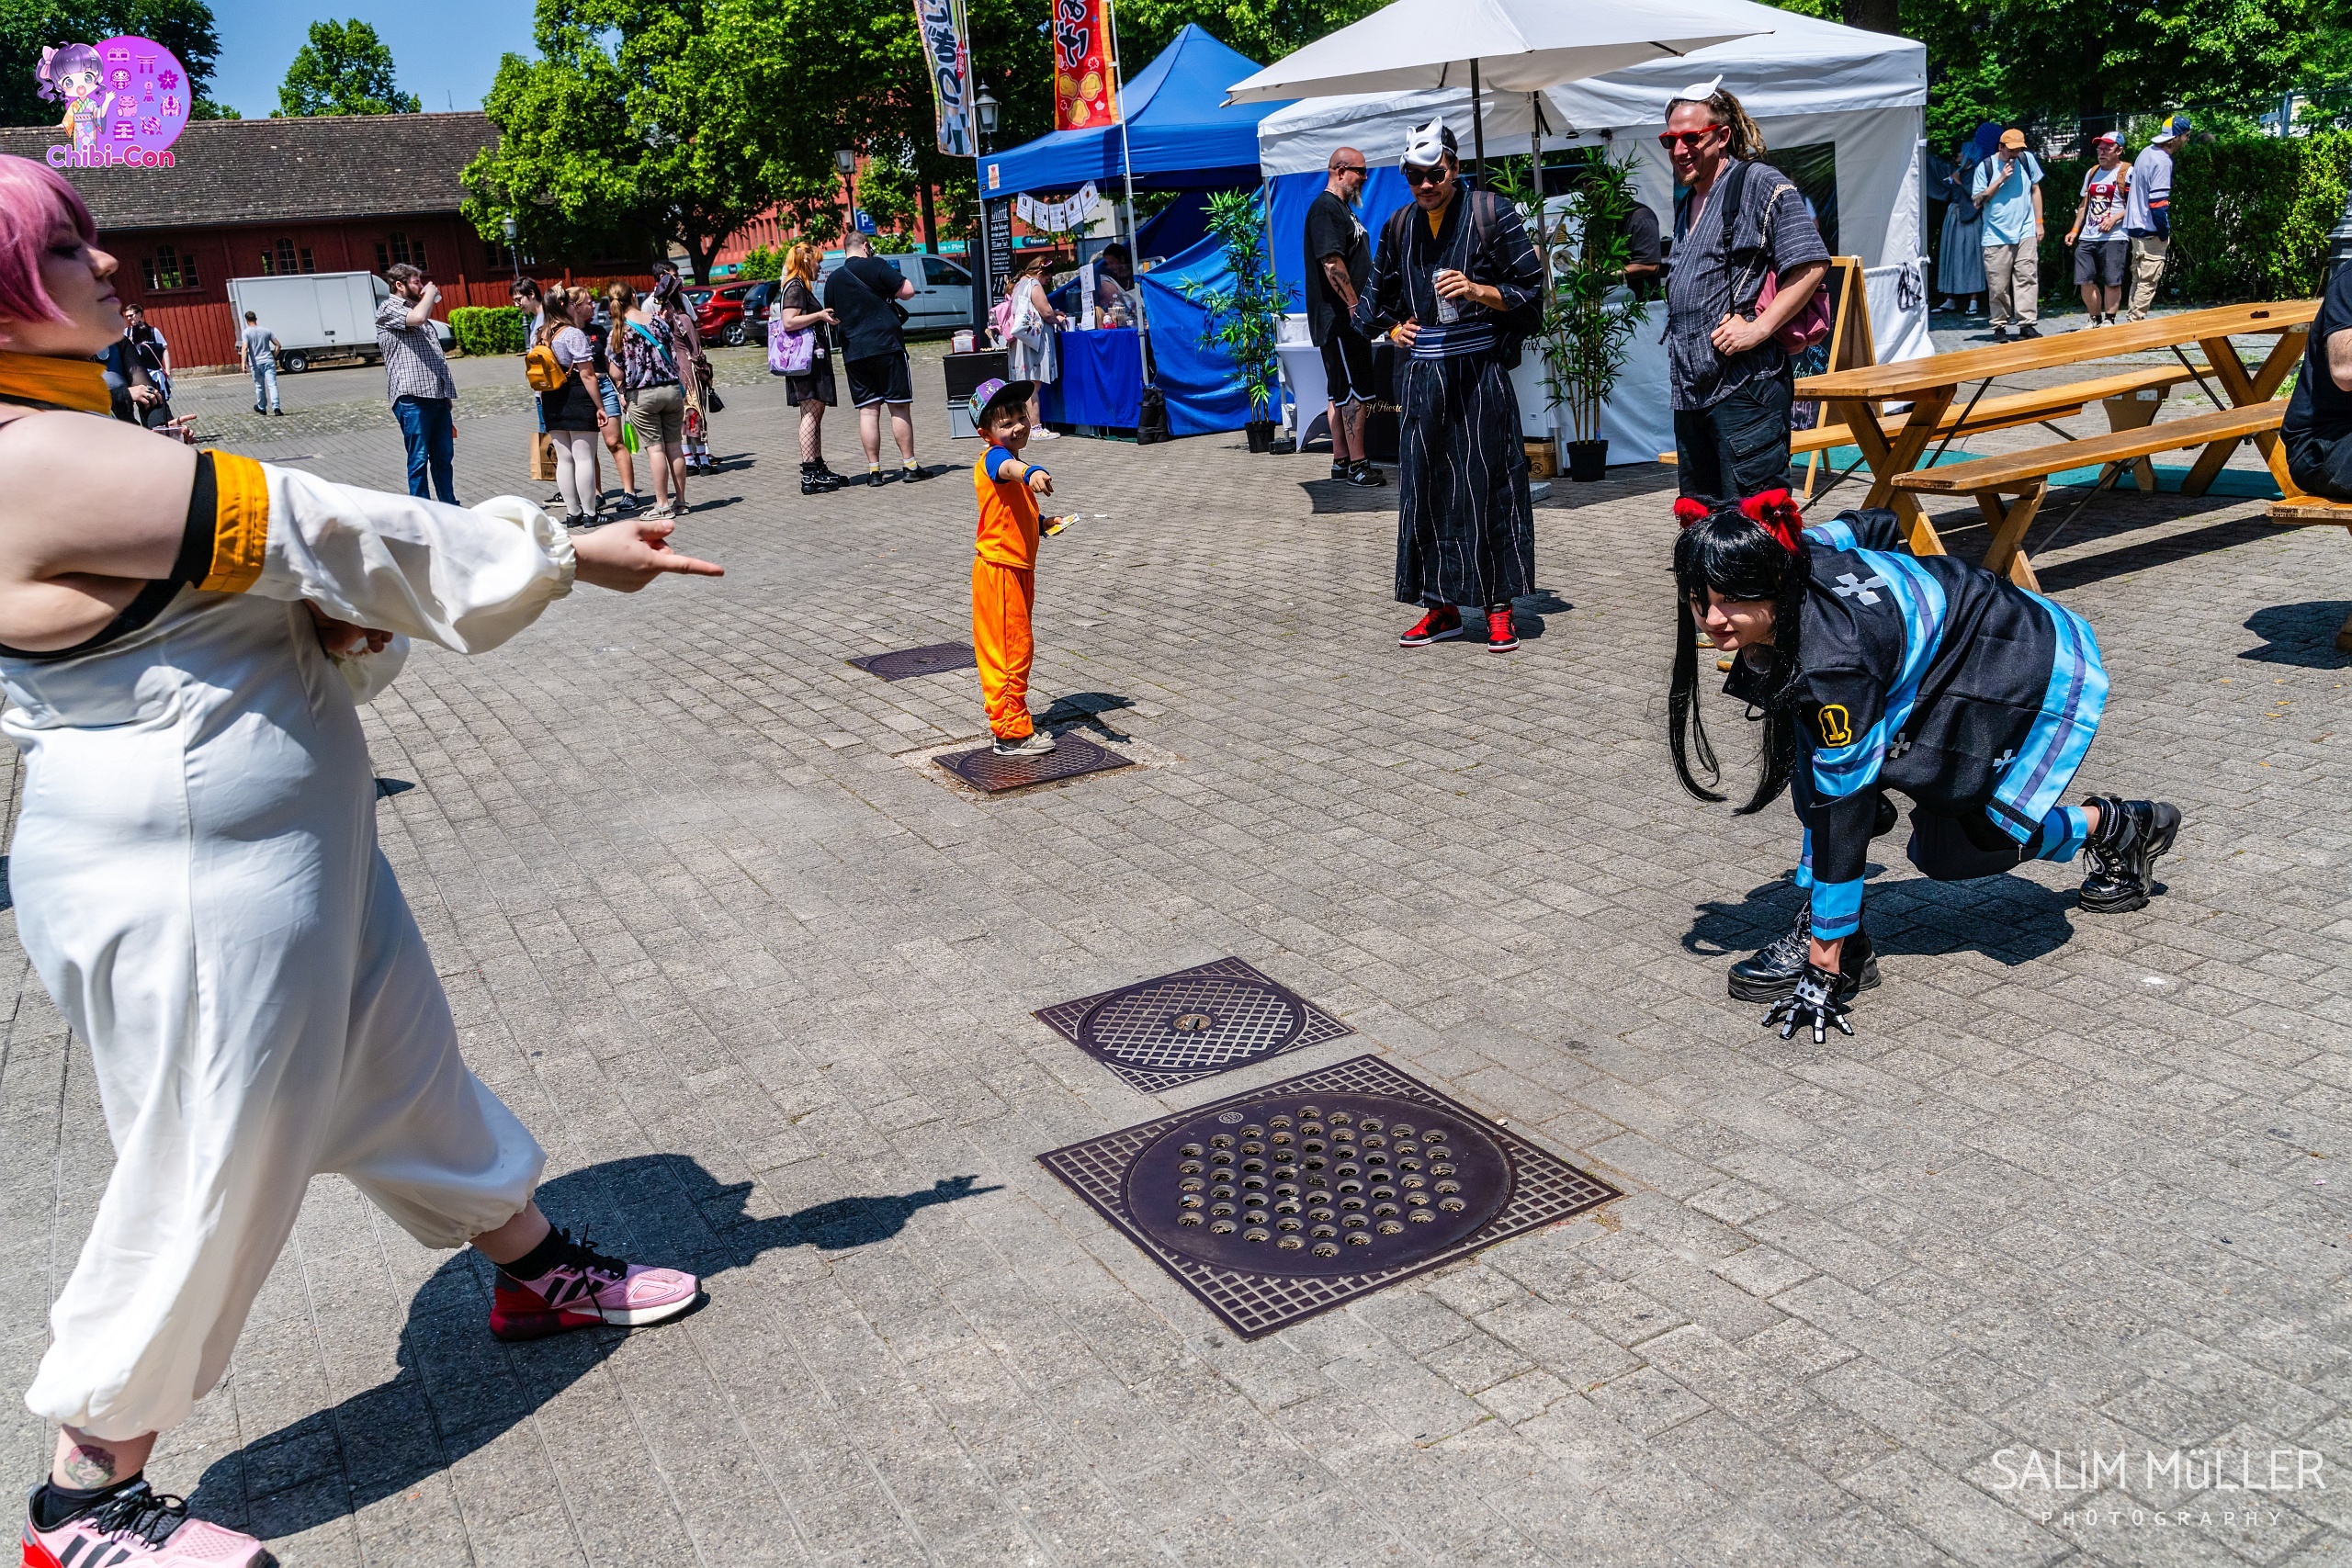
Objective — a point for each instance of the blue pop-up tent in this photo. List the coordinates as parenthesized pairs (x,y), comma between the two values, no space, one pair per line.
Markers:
(1181,134)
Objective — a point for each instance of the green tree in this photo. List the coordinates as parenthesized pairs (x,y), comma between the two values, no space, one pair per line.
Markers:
(27,27)
(345,69)
(664,122)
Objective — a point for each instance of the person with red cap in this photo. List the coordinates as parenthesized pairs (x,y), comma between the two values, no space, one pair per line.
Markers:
(1874,671)
(2102,249)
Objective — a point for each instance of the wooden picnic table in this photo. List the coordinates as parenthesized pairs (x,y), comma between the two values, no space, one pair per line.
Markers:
(1932,385)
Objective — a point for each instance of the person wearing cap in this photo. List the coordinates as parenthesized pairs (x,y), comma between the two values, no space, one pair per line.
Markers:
(2008,191)
(2317,429)
(2100,245)
(1004,563)
(2147,214)
(1457,286)
(1730,382)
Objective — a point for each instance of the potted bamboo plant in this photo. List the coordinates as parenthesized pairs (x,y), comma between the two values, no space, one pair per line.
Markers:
(1591,316)
(1243,315)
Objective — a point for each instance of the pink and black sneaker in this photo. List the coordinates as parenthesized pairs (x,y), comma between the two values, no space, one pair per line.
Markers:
(139,1527)
(583,1287)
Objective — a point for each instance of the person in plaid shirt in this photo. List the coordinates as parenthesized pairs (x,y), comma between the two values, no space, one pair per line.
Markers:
(418,379)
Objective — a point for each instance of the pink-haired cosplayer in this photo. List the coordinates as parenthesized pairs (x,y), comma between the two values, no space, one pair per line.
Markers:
(71,72)
(199,885)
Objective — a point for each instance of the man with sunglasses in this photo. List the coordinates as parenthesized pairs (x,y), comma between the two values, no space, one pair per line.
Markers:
(1731,383)
(1338,255)
(1457,286)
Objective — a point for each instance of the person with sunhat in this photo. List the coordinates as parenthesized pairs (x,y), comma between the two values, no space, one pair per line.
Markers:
(1004,563)
(1457,286)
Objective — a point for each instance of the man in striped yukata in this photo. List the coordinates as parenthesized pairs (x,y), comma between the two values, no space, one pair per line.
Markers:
(1457,285)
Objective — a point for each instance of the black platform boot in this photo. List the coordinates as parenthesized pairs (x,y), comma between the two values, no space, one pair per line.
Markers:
(1773,974)
(2124,851)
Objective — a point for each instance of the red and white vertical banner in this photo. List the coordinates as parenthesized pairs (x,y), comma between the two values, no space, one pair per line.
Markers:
(1084,91)
(948,56)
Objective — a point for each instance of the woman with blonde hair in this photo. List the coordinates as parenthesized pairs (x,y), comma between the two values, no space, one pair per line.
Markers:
(573,412)
(797,309)
(617,297)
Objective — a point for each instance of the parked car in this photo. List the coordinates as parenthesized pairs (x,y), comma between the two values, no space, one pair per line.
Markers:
(943,297)
(319,316)
(732,313)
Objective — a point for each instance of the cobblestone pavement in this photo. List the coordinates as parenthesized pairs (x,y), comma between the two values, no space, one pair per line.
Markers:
(761,984)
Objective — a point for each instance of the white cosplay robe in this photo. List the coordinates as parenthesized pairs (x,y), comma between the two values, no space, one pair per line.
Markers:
(199,884)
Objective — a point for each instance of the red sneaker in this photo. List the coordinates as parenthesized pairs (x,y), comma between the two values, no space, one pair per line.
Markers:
(585,1289)
(1501,636)
(1440,624)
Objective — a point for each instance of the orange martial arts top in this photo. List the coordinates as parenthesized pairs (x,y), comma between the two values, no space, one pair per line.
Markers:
(1007,531)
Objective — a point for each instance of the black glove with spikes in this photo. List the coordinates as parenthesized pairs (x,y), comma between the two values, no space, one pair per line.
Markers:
(1814,1001)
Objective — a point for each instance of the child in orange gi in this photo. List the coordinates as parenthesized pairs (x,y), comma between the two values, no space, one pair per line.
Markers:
(1004,567)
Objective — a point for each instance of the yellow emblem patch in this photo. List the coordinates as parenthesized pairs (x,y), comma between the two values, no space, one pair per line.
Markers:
(1836,725)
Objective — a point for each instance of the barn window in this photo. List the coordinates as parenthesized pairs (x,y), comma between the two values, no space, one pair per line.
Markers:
(166,269)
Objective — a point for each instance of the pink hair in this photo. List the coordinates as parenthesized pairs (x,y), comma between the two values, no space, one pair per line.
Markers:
(33,200)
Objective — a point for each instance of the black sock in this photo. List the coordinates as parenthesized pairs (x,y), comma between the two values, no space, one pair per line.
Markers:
(53,1504)
(553,1248)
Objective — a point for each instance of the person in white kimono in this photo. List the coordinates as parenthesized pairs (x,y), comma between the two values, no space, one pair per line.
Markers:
(183,637)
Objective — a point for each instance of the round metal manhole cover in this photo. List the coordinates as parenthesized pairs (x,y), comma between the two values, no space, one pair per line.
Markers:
(1192,1024)
(908,661)
(1323,1184)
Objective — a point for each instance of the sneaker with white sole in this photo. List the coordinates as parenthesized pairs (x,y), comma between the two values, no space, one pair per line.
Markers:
(1036,743)
(139,1528)
(584,1289)
(1441,623)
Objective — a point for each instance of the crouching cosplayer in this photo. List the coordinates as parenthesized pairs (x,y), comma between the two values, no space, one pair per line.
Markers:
(1873,670)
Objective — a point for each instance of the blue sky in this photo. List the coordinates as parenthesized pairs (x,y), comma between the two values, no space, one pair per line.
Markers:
(446,51)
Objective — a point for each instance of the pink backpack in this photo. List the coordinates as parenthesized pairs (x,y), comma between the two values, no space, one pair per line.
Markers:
(1000,319)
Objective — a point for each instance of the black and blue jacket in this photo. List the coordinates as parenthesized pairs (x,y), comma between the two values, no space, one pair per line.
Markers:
(1929,676)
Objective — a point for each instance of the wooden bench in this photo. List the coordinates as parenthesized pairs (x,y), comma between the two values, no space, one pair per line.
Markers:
(2309,511)
(2026,474)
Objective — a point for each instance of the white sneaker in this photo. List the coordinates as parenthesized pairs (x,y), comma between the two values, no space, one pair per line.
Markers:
(1036,743)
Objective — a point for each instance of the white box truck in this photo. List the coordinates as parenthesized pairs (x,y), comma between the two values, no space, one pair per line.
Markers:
(319,316)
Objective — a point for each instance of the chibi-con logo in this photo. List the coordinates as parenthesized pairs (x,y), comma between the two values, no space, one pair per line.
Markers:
(125,101)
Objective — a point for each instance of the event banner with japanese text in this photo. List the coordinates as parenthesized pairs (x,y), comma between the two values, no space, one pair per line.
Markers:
(1084,94)
(941,23)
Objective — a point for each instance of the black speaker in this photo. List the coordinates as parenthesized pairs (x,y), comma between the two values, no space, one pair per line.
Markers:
(967,371)
(1151,418)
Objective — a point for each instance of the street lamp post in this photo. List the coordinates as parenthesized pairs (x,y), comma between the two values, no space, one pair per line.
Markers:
(985,110)
(506,226)
(845,160)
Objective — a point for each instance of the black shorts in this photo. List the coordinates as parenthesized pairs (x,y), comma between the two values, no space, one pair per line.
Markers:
(1347,365)
(2102,263)
(884,379)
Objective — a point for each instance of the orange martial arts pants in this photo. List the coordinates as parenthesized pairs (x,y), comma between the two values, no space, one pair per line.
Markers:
(1002,644)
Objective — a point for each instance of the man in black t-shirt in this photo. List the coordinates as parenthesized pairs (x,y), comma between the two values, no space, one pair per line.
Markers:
(1339,258)
(863,293)
(2318,426)
(1643,260)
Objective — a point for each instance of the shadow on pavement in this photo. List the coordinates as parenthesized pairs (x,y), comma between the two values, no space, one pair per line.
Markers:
(2009,920)
(458,1390)
(1085,709)
(2301,635)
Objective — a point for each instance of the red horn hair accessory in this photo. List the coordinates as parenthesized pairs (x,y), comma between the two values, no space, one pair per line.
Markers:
(1777,512)
(1689,508)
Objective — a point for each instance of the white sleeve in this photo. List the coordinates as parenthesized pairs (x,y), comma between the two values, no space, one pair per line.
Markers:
(464,577)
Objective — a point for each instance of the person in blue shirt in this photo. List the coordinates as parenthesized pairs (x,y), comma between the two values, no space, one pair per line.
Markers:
(1874,671)
(2008,191)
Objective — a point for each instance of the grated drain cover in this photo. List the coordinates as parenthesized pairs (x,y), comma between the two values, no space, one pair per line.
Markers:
(1265,1230)
(1158,1033)
(1070,757)
(907,662)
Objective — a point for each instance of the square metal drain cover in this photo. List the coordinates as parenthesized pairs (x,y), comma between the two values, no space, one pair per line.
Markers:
(1158,1034)
(1274,1205)
(907,662)
(1071,756)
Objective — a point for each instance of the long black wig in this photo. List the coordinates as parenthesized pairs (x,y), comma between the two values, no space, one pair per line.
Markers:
(1753,551)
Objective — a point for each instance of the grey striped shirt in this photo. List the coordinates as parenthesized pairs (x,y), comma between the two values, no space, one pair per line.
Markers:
(412,363)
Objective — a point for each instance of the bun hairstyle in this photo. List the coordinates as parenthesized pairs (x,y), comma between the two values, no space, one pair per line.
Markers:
(1753,551)
(1746,141)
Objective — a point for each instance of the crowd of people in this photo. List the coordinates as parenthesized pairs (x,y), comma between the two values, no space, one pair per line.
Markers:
(1988,256)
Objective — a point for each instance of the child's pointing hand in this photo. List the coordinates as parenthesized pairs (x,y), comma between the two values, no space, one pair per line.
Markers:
(1041,481)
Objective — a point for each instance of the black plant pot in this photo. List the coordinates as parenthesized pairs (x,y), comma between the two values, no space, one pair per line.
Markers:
(1588,460)
(1261,435)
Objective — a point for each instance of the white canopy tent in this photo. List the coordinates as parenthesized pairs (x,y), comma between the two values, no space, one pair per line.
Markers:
(1853,101)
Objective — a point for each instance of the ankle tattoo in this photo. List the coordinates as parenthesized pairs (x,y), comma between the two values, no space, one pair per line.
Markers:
(89,1467)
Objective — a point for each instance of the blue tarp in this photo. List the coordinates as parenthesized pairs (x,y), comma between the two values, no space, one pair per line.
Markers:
(1178,136)
(1384,192)
(1202,389)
